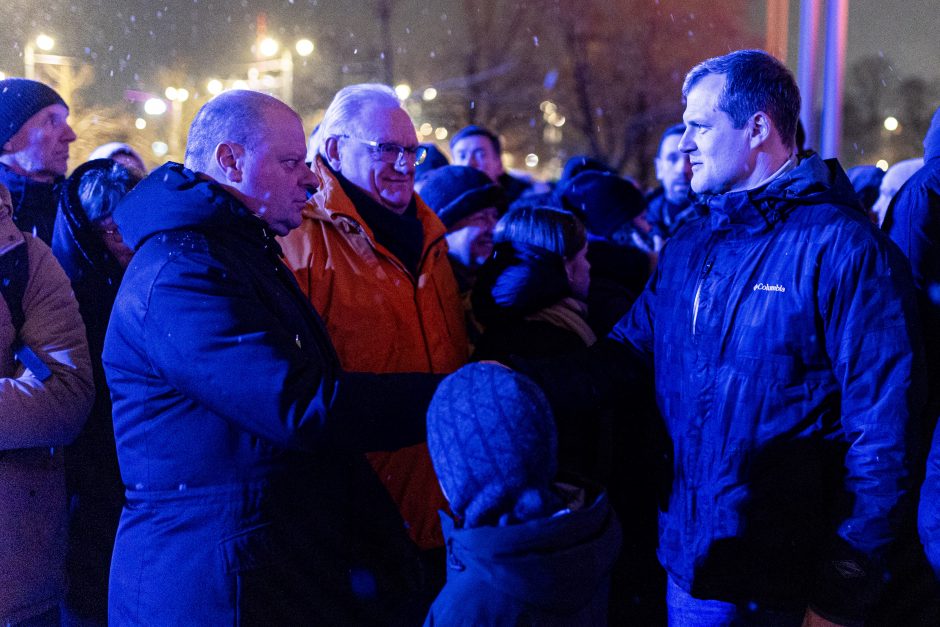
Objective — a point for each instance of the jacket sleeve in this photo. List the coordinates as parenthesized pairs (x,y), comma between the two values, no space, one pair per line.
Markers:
(873,340)
(36,413)
(209,335)
(929,515)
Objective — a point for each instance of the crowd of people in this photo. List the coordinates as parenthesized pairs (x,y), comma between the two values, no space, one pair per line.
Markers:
(344,380)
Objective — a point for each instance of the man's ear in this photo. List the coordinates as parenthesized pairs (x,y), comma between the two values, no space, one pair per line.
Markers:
(760,128)
(229,158)
(332,152)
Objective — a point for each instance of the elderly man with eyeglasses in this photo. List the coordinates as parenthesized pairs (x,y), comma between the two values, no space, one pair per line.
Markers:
(372,258)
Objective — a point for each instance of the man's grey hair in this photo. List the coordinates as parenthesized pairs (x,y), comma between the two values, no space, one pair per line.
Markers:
(754,81)
(343,114)
(238,116)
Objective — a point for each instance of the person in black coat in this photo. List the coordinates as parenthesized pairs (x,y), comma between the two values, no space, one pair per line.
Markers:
(239,436)
(90,249)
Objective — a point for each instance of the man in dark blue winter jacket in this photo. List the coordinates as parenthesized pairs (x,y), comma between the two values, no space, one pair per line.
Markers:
(239,437)
(782,335)
(913,220)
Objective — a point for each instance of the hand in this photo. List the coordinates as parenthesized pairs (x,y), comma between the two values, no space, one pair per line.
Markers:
(812,619)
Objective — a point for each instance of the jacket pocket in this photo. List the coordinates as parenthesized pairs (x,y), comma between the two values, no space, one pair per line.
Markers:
(268,589)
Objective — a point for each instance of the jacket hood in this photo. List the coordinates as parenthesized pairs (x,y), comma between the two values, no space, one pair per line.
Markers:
(812,182)
(556,564)
(932,139)
(78,247)
(173,197)
(516,281)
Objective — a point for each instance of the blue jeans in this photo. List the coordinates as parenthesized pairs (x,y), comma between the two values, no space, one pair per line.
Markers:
(684,610)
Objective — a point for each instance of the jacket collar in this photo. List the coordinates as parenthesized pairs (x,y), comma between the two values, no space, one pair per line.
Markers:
(758,210)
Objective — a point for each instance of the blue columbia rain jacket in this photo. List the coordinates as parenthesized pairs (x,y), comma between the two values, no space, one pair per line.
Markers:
(783,336)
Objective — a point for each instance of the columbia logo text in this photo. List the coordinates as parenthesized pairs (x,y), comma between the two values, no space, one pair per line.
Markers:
(765,287)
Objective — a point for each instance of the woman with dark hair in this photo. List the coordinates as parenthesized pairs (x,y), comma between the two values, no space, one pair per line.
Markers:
(529,297)
(530,293)
(88,245)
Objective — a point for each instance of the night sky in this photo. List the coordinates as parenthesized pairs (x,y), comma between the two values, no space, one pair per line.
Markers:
(127,41)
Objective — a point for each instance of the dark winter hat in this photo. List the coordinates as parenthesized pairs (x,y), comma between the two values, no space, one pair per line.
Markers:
(492,440)
(21,99)
(606,201)
(473,129)
(435,159)
(457,191)
(582,163)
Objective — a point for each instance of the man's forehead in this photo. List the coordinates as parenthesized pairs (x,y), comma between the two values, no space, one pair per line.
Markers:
(704,94)
(474,142)
(51,110)
(670,144)
(387,124)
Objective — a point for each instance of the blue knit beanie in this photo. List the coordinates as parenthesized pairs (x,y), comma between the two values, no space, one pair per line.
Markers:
(21,99)
(492,440)
(456,192)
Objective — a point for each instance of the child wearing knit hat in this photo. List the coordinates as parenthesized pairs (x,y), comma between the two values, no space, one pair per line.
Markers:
(518,547)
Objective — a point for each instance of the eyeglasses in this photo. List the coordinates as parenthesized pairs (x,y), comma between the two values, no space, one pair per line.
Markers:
(393,153)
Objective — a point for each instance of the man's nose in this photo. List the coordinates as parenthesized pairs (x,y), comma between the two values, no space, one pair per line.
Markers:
(69,135)
(310,180)
(686,145)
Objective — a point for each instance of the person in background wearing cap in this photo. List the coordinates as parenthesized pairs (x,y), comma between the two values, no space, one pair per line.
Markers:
(469,204)
(669,205)
(480,148)
(372,258)
(522,548)
(122,153)
(46,391)
(621,261)
(34,152)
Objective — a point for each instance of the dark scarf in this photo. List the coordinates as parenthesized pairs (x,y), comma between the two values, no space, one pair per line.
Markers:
(402,235)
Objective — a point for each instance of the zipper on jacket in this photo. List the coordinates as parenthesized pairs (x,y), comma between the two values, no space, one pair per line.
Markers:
(706,269)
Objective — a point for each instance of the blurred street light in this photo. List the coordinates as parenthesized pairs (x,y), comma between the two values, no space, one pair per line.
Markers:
(429,94)
(62,73)
(403,90)
(441,133)
(268,47)
(531,160)
(44,42)
(304,47)
(882,164)
(140,124)
(891,123)
(215,87)
(155,106)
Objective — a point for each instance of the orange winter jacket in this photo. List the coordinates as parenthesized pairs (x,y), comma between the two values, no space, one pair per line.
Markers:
(383,319)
